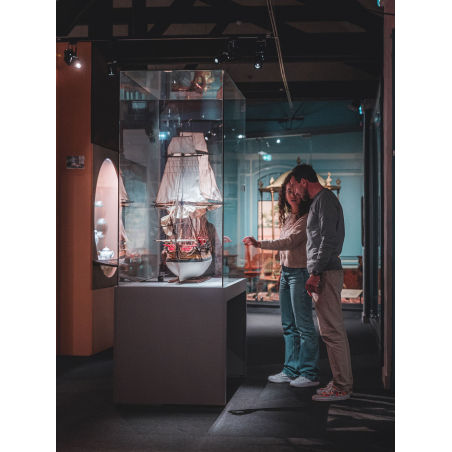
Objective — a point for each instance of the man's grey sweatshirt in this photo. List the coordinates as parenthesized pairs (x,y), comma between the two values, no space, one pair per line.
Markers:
(325,231)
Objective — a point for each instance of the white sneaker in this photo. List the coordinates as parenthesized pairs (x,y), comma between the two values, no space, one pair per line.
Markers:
(280,378)
(303,382)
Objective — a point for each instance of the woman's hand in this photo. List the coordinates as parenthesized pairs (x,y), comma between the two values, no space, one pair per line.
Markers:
(251,241)
(226,239)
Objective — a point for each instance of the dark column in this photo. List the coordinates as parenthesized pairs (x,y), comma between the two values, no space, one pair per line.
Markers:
(370,221)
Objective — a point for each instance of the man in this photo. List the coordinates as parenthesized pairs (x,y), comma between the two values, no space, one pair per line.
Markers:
(326,231)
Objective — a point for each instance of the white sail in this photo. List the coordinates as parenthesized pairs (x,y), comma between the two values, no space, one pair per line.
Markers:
(181,179)
(188,179)
(208,183)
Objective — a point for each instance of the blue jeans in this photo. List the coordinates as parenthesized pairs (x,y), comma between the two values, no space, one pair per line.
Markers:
(302,346)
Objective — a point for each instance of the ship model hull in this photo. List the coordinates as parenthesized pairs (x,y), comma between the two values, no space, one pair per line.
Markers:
(188,261)
(187,270)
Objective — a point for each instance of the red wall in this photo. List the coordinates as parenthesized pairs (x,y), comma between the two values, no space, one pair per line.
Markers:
(74,199)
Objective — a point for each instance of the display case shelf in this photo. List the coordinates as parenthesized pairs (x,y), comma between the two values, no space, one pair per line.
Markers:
(107,262)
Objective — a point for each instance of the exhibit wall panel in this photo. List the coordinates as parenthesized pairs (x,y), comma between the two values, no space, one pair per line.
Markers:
(74,204)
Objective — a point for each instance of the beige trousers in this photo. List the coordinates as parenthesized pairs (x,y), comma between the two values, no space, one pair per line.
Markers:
(332,329)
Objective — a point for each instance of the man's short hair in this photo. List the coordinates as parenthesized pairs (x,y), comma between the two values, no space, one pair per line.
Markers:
(304,171)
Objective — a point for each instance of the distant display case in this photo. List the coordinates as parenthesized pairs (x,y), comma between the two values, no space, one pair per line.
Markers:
(181,191)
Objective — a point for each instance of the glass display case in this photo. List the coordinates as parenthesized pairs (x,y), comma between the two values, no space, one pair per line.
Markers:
(105,218)
(181,190)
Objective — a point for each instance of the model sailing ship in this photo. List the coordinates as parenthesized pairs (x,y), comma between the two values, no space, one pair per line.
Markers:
(187,191)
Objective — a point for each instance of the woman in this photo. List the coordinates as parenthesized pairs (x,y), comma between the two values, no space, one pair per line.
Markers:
(302,348)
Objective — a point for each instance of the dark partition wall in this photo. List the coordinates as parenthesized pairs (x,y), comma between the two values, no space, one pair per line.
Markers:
(104,98)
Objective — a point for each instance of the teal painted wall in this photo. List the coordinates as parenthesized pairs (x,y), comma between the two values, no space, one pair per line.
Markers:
(341,154)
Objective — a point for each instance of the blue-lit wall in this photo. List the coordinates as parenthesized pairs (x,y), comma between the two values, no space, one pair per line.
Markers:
(337,153)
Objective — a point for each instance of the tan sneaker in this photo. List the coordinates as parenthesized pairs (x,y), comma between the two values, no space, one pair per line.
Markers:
(328,386)
(330,394)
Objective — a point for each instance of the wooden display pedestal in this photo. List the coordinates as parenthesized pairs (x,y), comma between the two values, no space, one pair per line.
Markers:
(177,343)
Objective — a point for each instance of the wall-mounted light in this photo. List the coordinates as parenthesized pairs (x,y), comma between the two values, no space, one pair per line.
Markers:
(278,141)
(267,158)
(71,58)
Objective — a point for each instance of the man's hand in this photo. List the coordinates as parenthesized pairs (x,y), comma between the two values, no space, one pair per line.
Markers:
(251,241)
(311,284)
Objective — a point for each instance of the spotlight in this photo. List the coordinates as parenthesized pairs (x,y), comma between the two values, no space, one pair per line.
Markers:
(70,57)
(221,59)
(231,55)
(233,50)
(112,67)
(259,56)
(215,130)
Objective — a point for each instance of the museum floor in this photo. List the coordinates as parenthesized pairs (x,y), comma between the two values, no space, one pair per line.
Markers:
(260,417)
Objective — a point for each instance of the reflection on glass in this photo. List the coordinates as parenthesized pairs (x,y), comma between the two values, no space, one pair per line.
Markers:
(106,216)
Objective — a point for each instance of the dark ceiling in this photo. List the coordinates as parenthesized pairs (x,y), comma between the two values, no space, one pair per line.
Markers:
(331,49)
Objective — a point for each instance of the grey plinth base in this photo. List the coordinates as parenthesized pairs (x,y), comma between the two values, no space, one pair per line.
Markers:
(177,343)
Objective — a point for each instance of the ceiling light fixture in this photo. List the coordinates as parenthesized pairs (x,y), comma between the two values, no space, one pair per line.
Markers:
(232,54)
(112,67)
(221,59)
(259,54)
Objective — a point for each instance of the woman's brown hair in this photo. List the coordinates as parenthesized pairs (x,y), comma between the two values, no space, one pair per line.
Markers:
(285,207)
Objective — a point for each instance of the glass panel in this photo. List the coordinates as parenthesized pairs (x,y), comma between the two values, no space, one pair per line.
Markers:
(171,163)
(106,216)
(139,180)
(235,189)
